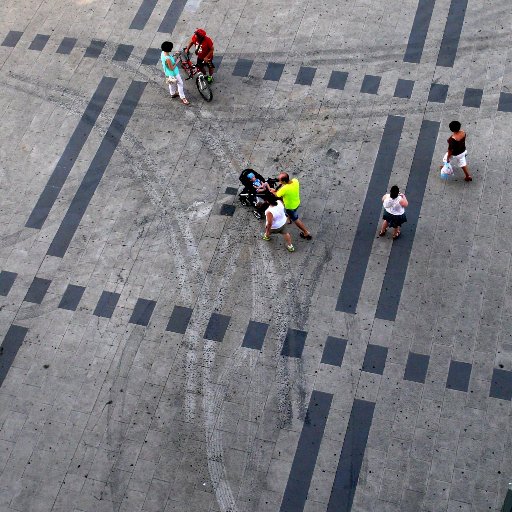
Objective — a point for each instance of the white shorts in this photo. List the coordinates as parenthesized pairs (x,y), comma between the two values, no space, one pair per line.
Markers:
(458,160)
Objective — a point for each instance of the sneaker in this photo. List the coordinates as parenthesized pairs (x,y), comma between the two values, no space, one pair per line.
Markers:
(209,79)
(265,237)
(290,248)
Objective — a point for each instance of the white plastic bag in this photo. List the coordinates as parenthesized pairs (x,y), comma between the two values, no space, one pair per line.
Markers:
(446,171)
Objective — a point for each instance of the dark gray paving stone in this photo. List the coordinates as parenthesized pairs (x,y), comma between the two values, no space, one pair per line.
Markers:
(370,84)
(438,93)
(10,346)
(416,367)
(94,49)
(375,359)
(305,75)
(39,42)
(334,350)
(107,304)
(143,14)
(6,281)
(404,88)
(294,343)
(217,60)
(398,261)
(232,191)
(306,454)
(227,210)
(152,56)
(66,45)
(507,504)
(242,67)
(68,158)
(293,498)
(274,71)
(370,216)
(123,53)
(217,326)
(180,317)
(501,384)
(458,376)
(142,312)
(337,80)
(172,16)
(37,290)
(505,102)
(452,31)
(71,297)
(419,30)
(255,335)
(97,168)
(351,457)
(472,97)
(12,38)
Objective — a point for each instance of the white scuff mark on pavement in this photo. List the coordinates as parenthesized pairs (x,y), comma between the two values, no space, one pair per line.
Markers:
(192,5)
(198,210)
(3,174)
(184,248)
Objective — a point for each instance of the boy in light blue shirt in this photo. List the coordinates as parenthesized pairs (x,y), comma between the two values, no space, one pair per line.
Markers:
(259,185)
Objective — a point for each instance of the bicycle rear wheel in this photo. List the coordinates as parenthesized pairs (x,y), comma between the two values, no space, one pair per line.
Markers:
(204,87)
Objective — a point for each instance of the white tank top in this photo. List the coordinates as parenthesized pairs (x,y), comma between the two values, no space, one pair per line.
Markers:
(393,206)
(278,215)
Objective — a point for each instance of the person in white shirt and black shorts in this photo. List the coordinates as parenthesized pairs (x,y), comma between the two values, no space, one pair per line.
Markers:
(275,217)
(394,211)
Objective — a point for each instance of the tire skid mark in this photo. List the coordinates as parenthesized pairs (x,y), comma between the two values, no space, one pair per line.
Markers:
(185,251)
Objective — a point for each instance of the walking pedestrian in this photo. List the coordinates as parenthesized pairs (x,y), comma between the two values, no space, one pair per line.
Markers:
(394,211)
(456,153)
(289,192)
(172,72)
(276,221)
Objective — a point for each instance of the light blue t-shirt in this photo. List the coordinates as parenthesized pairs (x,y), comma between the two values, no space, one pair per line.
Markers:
(167,71)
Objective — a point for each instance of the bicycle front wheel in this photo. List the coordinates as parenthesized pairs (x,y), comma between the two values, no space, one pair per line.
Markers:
(204,88)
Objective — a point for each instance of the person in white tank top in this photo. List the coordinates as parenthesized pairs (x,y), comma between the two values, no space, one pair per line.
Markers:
(275,221)
(394,211)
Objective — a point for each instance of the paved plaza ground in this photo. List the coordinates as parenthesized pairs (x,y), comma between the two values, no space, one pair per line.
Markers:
(157,355)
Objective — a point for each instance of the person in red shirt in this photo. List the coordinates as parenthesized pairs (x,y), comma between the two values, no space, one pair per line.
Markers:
(204,51)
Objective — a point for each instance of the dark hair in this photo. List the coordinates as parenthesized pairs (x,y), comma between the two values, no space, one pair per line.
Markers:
(285,178)
(167,46)
(454,126)
(393,193)
(270,198)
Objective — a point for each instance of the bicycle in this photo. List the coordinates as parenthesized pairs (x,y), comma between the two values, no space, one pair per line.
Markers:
(192,70)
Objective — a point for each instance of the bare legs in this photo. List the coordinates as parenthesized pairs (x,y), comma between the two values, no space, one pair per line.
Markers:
(287,238)
(466,172)
(384,228)
(465,168)
(302,227)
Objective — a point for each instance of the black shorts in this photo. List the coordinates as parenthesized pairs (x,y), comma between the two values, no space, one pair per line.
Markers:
(394,221)
(201,63)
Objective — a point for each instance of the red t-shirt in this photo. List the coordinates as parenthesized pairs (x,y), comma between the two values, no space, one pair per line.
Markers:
(205,46)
